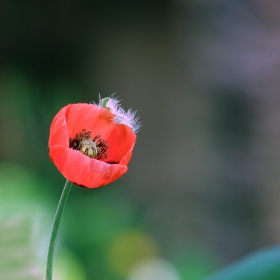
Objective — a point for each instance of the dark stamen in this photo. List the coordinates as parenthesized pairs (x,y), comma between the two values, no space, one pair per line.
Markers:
(93,148)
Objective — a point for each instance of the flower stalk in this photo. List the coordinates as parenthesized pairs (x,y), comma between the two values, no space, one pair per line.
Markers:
(55,227)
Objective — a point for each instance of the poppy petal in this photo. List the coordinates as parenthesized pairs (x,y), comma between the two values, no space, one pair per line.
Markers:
(59,134)
(90,117)
(84,171)
(120,141)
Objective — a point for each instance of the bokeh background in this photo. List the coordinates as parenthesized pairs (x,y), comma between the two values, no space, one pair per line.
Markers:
(203,186)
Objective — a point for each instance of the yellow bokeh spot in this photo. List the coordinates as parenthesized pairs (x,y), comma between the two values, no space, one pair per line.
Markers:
(67,267)
(129,249)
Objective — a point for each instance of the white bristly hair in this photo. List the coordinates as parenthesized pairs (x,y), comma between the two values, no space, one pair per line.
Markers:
(127,118)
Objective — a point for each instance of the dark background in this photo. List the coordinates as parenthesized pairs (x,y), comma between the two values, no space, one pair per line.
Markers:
(203,184)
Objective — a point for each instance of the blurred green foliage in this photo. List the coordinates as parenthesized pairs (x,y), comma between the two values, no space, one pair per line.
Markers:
(261,265)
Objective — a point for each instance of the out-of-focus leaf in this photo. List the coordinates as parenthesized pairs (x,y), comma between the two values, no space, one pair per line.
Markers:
(262,265)
(23,224)
(21,241)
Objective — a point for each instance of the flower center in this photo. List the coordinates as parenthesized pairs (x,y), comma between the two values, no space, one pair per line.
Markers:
(93,148)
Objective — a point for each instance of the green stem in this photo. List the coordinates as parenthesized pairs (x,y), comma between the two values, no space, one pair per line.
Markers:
(55,227)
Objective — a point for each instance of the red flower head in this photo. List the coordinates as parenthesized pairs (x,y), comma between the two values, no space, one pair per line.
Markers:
(91,144)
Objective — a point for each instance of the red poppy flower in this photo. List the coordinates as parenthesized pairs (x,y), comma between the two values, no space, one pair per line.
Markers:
(91,144)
